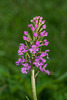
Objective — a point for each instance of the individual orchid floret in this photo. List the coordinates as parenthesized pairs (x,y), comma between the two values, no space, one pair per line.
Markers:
(22,49)
(40,20)
(46,34)
(32,20)
(37,62)
(43,69)
(43,21)
(41,17)
(25,32)
(23,59)
(43,60)
(47,55)
(37,43)
(29,25)
(47,50)
(33,49)
(36,21)
(25,68)
(44,26)
(20,60)
(35,34)
(32,28)
(36,26)
(25,38)
(46,43)
(42,33)
(47,71)
(43,54)
(37,17)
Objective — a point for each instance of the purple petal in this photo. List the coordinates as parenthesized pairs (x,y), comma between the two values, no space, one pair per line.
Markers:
(32,28)
(40,20)
(47,50)
(36,21)
(25,32)
(29,25)
(36,26)
(25,38)
(44,66)
(46,34)
(37,17)
(35,34)
(41,69)
(47,71)
(44,60)
(44,26)
(37,43)
(41,17)
(43,21)
(46,43)
(23,70)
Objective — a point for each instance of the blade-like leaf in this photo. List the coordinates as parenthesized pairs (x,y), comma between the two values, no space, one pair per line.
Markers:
(27,98)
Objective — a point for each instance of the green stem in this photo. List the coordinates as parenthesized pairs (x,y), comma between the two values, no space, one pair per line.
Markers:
(36,73)
(33,84)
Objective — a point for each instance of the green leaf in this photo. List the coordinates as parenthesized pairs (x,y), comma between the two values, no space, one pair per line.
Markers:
(62,77)
(27,98)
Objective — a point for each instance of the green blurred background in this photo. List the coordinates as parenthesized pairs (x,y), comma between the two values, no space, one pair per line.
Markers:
(15,15)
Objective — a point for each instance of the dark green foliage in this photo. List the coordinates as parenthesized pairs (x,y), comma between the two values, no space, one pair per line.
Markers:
(15,15)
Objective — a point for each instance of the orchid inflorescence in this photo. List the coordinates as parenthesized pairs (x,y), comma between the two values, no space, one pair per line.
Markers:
(30,53)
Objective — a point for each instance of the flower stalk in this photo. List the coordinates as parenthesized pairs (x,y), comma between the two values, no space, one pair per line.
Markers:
(33,84)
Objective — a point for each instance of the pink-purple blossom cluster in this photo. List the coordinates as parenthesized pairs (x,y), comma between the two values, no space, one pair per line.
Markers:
(30,53)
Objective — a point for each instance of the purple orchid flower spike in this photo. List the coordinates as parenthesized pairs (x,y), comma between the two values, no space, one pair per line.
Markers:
(38,30)
(31,54)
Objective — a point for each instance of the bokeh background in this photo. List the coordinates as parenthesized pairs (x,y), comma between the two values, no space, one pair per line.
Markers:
(15,15)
